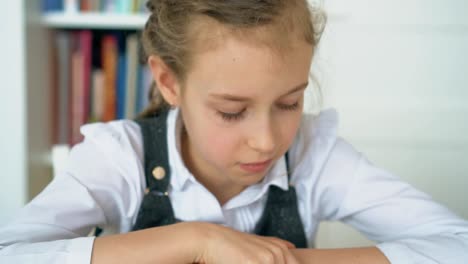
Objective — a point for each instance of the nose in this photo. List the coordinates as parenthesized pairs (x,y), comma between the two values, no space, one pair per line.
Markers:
(262,136)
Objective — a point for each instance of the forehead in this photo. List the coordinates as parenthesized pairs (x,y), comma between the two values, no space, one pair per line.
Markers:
(207,34)
(246,66)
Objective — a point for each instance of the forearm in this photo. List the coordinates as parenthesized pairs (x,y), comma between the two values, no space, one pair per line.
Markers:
(371,255)
(168,244)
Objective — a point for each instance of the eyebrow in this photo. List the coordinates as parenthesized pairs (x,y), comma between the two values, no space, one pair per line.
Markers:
(236,98)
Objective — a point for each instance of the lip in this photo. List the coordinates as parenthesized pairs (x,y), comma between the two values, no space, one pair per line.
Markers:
(255,167)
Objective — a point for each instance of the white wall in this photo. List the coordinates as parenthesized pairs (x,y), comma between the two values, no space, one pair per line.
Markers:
(397,72)
(13,192)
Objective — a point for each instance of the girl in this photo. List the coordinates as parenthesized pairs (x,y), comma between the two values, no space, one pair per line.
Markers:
(224,167)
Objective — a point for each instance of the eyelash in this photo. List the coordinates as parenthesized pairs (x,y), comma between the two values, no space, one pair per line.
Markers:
(231,117)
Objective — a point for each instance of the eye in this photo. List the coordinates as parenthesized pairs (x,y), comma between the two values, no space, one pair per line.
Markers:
(231,117)
(290,107)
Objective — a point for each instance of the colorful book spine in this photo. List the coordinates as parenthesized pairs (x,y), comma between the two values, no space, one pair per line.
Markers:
(123,6)
(54,90)
(86,40)
(96,6)
(96,76)
(107,6)
(76,105)
(121,85)
(85,5)
(52,5)
(98,96)
(132,70)
(109,64)
(146,87)
(71,6)
(63,78)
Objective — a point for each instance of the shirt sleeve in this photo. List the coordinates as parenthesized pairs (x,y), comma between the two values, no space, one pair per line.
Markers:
(94,190)
(407,224)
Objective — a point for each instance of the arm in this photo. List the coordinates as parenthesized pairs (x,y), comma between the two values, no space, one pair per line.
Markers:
(177,244)
(168,244)
(92,191)
(191,242)
(407,224)
(368,255)
(52,228)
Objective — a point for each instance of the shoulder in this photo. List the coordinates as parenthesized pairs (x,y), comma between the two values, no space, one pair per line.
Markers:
(122,135)
(319,154)
(323,164)
(111,151)
(315,138)
(105,171)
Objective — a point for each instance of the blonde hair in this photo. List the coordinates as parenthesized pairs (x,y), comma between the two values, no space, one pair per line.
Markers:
(175,27)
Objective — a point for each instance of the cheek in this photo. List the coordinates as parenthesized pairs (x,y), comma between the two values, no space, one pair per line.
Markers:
(287,127)
(222,146)
(215,142)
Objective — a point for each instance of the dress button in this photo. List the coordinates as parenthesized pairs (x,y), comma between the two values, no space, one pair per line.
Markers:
(159,173)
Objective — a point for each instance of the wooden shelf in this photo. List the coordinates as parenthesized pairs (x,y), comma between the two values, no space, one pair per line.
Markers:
(94,20)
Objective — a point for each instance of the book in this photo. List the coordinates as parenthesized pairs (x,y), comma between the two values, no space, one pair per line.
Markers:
(98,96)
(106,6)
(71,6)
(109,52)
(86,48)
(121,77)
(81,83)
(109,6)
(63,77)
(123,6)
(54,90)
(52,5)
(96,5)
(147,82)
(97,76)
(85,5)
(132,71)
(144,85)
(76,105)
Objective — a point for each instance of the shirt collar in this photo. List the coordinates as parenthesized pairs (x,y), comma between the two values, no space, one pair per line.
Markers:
(277,176)
(180,175)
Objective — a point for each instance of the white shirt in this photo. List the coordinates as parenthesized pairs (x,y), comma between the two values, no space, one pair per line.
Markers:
(104,184)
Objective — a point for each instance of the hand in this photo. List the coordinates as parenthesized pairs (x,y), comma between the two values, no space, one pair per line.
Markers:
(219,244)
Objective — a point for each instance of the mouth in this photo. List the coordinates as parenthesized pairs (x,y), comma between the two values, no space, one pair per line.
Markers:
(256,167)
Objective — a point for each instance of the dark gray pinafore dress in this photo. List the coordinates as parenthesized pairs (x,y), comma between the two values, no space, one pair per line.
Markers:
(280,217)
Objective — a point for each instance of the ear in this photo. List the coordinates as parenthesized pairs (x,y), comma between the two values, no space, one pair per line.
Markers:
(166,80)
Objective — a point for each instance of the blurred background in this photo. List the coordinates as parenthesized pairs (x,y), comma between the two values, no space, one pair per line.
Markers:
(395,70)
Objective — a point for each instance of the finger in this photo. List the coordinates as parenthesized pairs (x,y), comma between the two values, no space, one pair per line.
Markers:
(282,241)
(278,247)
(287,253)
(291,258)
(288,244)
(284,245)
(268,251)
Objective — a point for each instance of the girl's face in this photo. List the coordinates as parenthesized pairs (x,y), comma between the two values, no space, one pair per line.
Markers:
(241,109)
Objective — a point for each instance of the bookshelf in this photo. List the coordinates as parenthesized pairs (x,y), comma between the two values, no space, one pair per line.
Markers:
(34,164)
(94,21)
